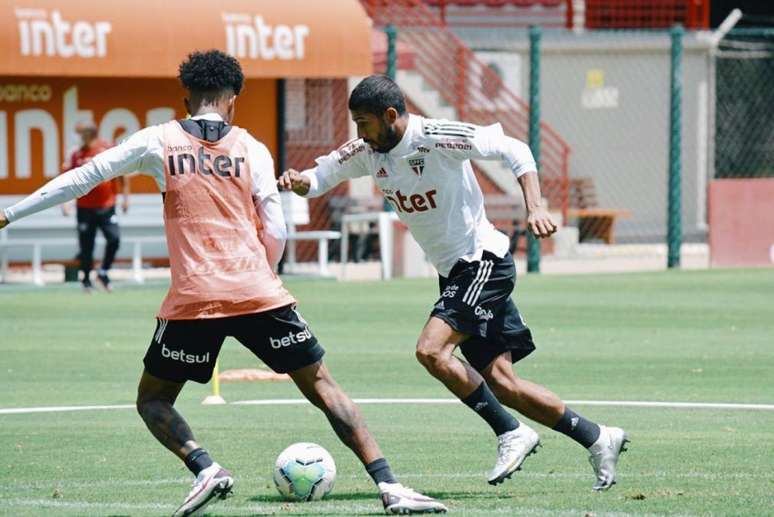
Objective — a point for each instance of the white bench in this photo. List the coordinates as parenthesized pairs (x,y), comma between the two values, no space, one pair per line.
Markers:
(37,245)
(296,211)
(384,221)
(50,236)
(322,237)
(36,238)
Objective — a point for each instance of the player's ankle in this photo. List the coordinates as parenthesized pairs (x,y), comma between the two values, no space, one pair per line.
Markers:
(380,471)
(583,431)
(198,460)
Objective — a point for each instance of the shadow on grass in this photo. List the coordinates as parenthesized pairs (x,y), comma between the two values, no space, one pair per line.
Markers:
(357,496)
(365,496)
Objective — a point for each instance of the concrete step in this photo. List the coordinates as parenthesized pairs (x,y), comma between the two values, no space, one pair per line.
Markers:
(427,100)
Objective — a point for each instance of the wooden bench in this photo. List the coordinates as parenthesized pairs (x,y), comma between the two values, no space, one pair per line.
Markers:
(594,223)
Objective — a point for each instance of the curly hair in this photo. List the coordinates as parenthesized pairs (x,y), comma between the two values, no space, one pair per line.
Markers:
(211,72)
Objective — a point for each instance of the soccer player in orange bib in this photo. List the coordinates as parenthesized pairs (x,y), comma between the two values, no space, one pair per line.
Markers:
(226,233)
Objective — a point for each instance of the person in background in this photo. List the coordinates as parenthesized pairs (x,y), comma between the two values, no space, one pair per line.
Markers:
(97,209)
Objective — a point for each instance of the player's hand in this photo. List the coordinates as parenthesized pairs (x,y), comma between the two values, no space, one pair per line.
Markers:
(293,180)
(540,223)
(66,210)
(3,220)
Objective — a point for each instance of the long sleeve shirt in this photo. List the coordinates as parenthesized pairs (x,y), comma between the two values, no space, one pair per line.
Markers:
(144,151)
(429,180)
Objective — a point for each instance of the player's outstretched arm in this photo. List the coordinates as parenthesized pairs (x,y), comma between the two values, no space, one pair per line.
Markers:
(345,163)
(539,221)
(114,162)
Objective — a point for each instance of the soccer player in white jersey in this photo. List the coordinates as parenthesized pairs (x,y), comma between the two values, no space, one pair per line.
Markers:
(225,232)
(422,166)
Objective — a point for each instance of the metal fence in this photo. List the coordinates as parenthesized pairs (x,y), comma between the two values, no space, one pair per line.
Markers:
(605,124)
(622,161)
(608,95)
(316,122)
(744,121)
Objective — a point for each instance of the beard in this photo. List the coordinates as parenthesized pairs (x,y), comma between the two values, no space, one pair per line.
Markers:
(387,140)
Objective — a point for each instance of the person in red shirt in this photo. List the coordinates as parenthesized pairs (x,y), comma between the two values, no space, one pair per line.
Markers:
(97,209)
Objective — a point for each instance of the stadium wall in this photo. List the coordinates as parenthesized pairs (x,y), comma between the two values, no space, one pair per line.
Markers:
(741,222)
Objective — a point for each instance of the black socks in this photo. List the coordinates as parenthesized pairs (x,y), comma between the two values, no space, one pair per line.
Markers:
(583,431)
(198,460)
(483,402)
(380,471)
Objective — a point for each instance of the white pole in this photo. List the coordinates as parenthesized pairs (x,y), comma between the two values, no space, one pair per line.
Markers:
(724,28)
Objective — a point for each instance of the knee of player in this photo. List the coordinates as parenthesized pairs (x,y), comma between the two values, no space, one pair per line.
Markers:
(429,356)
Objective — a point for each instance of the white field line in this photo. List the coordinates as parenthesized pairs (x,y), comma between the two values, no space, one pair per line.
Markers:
(250,480)
(59,409)
(293,402)
(83,505)
(611,403)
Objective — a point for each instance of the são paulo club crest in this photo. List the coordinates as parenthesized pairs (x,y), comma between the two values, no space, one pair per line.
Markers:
(417,165)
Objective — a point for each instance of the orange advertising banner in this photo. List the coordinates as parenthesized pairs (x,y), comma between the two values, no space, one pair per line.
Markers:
(38,117)
(126,38)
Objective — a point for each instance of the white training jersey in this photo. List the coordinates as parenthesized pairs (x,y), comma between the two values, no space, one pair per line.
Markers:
(429,181)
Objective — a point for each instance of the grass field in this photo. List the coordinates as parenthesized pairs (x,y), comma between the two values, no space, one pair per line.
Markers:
(689,336)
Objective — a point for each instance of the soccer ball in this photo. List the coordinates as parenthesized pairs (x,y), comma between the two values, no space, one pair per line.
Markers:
(304,472)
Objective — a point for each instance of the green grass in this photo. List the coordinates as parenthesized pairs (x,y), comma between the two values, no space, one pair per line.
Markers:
(677,336)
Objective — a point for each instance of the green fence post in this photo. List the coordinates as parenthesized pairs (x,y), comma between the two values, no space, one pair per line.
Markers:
(392,55)
(533,246)
(391,72)
(674,194)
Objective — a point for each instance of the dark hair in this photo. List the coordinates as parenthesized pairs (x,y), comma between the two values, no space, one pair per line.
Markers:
(211,73)
(375,94)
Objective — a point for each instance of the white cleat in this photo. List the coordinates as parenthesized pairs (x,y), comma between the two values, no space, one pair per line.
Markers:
(211,484)
(513,448)
(399,499)
(604,455)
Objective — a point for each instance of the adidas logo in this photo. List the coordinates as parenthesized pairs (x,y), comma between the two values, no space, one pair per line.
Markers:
(481,405)
(382,173)
(440,305)
(574,421)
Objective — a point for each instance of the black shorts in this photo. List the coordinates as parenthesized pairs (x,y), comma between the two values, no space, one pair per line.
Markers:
(184,350)
(476,300)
